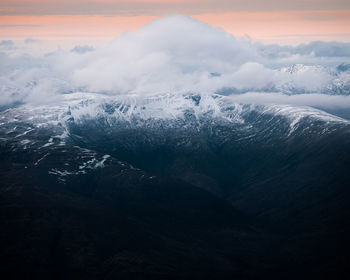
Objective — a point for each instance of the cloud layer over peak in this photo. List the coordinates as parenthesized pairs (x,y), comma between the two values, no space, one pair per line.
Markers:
(175,54)
(171,54)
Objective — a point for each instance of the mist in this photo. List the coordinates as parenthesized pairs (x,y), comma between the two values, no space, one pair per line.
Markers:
(178,55)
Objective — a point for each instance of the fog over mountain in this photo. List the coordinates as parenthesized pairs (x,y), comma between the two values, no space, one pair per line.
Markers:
(174,55)
(176,152)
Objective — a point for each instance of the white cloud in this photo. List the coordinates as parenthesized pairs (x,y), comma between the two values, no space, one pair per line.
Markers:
(316,49)
(175,54)
(7,44)
(82,49)
(313,99)
(171,54)
(31,41)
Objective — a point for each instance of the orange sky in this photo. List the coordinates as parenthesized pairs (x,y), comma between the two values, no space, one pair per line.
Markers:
(103,20)
(283,27)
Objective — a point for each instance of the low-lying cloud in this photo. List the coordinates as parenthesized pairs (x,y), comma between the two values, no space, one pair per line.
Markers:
(317,100)
(178,55)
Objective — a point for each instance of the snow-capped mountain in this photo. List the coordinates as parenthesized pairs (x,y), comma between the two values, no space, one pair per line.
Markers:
(220,168)
(174,152)
(328,80)
(102,127)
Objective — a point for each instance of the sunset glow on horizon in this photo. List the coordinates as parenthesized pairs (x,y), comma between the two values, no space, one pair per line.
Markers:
(274,22)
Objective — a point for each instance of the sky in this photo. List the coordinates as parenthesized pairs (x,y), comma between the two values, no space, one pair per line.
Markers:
(269,21)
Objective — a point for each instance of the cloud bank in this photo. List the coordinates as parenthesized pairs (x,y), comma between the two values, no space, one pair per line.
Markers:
(177,54)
